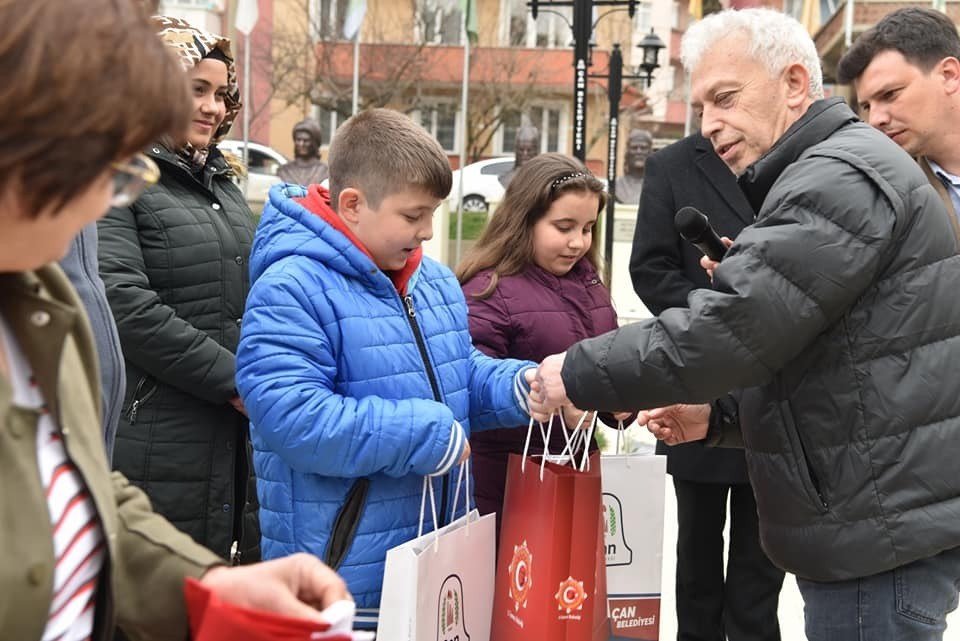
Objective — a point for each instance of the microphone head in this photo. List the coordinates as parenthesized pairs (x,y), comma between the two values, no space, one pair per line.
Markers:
(690,222)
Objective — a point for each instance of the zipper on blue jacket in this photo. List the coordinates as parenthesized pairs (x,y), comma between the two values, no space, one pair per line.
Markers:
(418,335)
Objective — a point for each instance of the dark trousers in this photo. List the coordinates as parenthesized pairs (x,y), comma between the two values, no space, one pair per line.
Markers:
(744,606)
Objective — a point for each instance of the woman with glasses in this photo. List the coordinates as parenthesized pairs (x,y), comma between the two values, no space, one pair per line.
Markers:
(82,549)
(175,268)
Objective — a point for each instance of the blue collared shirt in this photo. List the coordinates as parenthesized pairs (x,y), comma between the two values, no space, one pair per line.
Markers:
(951,182)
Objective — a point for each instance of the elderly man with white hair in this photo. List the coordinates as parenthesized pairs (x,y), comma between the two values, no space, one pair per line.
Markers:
(834,314)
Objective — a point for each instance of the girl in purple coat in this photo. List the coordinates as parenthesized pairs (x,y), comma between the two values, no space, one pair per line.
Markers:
(533,289)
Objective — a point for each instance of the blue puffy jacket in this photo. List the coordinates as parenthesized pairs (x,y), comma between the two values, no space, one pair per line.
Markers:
(342,412)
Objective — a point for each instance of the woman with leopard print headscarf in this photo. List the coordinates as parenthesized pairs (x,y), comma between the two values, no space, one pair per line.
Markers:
(175,268)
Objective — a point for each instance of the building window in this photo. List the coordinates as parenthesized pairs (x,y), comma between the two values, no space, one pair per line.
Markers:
(441,121)
(550,29)
(546,119)
(643,18)
(326,18)
(332,115)
(438,22)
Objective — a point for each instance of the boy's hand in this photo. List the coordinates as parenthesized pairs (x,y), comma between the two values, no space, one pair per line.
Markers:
(537,408)
(466,453)
(548,386)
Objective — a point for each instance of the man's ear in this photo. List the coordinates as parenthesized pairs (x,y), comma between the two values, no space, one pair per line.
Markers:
(349,203)
(948,70)
(798,84)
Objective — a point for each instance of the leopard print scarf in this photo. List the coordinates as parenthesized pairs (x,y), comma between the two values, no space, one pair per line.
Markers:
(191,45)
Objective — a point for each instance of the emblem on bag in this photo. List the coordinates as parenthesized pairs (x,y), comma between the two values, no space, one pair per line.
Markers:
(571,595)
(451,626)
(521,575)
(615,541)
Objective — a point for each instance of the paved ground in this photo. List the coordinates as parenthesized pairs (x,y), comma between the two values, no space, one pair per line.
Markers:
(791,605)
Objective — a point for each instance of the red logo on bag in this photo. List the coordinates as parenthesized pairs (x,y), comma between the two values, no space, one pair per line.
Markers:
(571,595)
(521,575)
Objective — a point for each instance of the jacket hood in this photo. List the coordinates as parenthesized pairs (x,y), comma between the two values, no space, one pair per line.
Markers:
(191,45)
(820,120)
(288,229)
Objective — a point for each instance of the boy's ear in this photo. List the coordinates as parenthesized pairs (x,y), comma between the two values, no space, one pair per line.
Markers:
(349,204)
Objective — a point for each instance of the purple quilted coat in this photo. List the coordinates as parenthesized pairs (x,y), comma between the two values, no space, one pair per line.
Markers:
(529,316)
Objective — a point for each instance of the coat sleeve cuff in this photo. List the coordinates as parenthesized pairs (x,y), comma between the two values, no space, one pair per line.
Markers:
(458,441)
(521,389)
(724,427)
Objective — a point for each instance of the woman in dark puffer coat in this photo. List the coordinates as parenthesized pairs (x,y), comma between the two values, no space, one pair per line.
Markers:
(175,269)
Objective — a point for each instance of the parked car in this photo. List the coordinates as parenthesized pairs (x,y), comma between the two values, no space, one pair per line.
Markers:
(481,184)
(262,165)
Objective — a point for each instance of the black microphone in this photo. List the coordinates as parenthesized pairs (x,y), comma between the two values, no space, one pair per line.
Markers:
(694,226)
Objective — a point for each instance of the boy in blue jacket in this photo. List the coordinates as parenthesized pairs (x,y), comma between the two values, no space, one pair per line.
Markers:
(355,363)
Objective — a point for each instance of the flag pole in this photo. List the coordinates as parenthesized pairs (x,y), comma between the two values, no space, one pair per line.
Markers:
(356,73)
(848,24)
(247,15)
(464,91)
(246,109)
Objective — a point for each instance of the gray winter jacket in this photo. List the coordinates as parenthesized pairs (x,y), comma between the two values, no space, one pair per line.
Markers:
(838,308)
(80,266)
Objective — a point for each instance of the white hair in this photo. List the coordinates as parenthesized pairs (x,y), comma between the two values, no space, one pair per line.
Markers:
(774,39)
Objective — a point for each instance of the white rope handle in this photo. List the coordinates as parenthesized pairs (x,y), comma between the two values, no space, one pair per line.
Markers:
(463,473)
(428,489)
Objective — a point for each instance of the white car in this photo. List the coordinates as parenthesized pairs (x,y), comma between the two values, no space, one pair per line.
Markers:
(481,184)
(263,162)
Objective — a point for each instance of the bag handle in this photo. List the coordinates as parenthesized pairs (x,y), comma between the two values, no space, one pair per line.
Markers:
(463,472)
(579,437)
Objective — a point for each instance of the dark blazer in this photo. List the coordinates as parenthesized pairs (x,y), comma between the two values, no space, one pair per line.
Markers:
(665,268)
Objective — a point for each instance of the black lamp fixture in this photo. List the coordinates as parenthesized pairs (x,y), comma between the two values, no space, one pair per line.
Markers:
(651,46)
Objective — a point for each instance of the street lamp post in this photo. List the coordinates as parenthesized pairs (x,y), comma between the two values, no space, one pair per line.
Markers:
(651,46)
(582,30)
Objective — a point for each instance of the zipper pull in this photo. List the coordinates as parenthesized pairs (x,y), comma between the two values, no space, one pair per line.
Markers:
(132,414)
(408,301)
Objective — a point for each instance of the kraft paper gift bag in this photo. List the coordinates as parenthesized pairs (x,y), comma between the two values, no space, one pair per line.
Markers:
(551,571)
(439,586)
(633,496)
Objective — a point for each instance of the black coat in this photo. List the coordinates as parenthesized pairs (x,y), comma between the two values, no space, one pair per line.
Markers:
(836,314)
(175,269)
(665,268)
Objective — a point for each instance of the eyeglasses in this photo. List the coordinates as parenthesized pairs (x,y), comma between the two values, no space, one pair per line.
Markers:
(131,177)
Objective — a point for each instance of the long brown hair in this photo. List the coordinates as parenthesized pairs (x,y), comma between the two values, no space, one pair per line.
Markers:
(506,245)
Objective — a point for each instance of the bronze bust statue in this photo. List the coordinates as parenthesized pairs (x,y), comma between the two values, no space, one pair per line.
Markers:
(526,146)
(306,168)
(628,186)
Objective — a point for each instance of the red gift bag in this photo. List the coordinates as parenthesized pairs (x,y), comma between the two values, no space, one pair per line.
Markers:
(551,567)
(214,620)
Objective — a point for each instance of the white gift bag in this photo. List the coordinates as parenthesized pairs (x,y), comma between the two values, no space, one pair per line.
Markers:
(439,586)
(633,497)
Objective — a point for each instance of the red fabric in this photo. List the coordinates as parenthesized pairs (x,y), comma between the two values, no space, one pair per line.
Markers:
(317,201)
(213,620)
(551,566)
